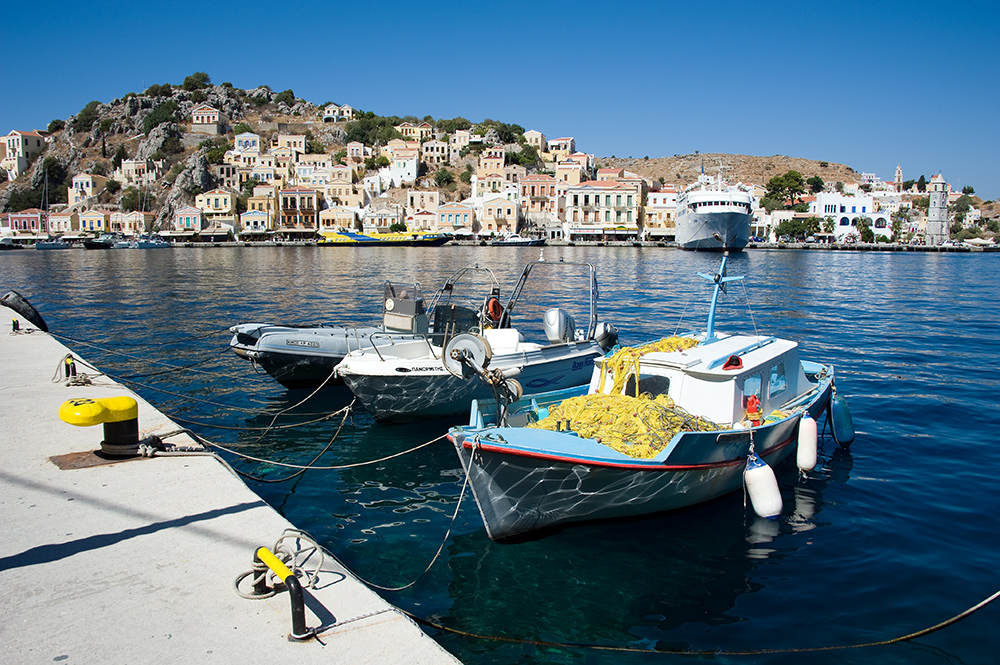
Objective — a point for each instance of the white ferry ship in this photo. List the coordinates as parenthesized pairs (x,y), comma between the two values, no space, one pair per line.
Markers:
(714,216)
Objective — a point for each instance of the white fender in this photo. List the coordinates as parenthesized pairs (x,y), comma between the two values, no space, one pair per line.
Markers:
(805,458)
(762,487)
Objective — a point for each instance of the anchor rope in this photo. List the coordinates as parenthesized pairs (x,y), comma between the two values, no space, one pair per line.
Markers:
(709,652)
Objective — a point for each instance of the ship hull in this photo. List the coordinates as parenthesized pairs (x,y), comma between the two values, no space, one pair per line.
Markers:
(713,231)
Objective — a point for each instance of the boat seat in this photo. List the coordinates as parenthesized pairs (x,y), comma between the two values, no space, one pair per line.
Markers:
(503,340)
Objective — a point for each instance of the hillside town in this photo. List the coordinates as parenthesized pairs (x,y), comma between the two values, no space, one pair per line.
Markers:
(293,174)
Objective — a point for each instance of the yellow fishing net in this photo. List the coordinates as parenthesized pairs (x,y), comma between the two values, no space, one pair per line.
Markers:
(625,362)
(637,426)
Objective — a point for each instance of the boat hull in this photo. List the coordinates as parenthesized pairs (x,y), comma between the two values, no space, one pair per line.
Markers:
(401,390)
(299,357)
(698,231)
(383,240)
(527,480)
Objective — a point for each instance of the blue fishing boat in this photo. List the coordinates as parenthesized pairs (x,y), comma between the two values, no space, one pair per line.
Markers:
(662,426)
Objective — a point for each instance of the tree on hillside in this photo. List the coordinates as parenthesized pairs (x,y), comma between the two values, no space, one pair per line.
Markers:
(815,184)
(922,184)
(196,81)
(286,96)
(968,189)
(453,125)
(162,113)
(55,125)
(443,177)
(86,118)
(242,128)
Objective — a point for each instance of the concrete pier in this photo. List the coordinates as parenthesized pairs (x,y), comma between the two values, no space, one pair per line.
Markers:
(134,561)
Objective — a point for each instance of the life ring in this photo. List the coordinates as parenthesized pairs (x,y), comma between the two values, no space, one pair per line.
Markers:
(494,310)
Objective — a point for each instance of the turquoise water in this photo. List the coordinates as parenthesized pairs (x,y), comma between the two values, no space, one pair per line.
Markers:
(893,536)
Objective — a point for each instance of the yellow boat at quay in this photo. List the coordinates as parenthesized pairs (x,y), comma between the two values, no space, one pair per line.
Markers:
(402,239)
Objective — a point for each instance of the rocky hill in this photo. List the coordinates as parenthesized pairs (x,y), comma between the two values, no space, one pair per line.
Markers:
(152,125)
(684,169)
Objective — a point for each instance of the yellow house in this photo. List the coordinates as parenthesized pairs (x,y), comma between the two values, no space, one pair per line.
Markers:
(419,132)
(336,218)
(85,186)
(95,221)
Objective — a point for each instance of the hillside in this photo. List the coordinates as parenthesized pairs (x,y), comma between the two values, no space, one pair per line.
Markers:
(684,169)
(153,124)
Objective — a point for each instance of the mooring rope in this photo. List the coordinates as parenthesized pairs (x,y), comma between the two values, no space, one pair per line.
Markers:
(437,554)
(707,652)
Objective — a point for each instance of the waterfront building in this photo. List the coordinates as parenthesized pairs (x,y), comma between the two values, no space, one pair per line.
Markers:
(457,218)
(132,224)
(660,213)
(95,221)
(937,230)
(255,224)
(338,218)
(30,222)
(846,212)
(297,211)
(603,210)
(422,199)
(63,223)
(186,220)
(382,218)
(422,220)
(542,200)
(500,215)
(19,149)
(218,206)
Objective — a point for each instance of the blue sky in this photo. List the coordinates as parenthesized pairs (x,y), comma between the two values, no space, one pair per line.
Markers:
(867,84)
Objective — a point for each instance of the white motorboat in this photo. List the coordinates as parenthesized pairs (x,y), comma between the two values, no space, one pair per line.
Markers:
(305,356)
(422,376)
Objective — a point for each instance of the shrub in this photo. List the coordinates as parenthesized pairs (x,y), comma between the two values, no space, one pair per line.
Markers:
(196,81)
(56,125)
(162,113)
(86,118)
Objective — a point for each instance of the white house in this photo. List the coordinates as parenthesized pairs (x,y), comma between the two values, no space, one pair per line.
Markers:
(847,211)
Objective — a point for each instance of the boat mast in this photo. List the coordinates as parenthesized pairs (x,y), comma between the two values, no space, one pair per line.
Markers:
(719,281)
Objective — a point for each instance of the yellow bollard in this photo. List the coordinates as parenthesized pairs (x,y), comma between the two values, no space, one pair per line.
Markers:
(119,415)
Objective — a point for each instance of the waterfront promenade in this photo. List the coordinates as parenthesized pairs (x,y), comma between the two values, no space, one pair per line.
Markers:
(134,561)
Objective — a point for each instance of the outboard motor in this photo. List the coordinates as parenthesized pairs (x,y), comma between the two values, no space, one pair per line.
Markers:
(559,326)
(606,335)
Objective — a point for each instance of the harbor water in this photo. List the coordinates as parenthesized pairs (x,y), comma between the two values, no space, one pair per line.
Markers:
(890,537)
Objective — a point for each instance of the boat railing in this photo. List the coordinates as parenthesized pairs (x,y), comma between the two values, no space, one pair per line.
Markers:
(392,338)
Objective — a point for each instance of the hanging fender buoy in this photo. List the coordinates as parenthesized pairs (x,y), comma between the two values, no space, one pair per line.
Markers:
(805,457)
(20,304)
(841,423)
(762,487)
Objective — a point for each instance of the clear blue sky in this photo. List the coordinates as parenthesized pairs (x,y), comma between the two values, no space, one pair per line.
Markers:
(868,84)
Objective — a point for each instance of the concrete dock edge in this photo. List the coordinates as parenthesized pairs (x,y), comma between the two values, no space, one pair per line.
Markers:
(134,561)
